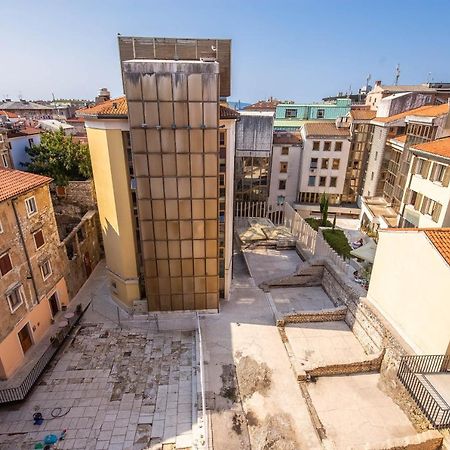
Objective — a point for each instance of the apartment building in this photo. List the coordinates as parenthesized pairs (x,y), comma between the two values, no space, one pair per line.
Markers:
(324,160)
(427,197)
(21,138)
(292,116)
(31,268)
(390,158)
(160,160)
(285,168)
(411,289)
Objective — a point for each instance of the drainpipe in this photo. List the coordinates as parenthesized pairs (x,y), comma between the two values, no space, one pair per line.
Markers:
(33,281)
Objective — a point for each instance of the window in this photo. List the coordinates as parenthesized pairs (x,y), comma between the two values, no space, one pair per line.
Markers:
(1,228)
(30,204)
(336,162)
(324,163)
(285,150)
(39,239)
(376,156)
(322,181)
(371,176)
(290,113)
(5,160)
(15,298)
(316,145)
(46,269)
(320,113)
(312,181)
(313,163)
(30,142)
(326,146)
(222,138)
(282,185)
(5,264)
(338,146)
(333,181)
(283,167)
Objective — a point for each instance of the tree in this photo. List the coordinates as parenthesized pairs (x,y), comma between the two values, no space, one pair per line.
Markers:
(58,156)
(324,209)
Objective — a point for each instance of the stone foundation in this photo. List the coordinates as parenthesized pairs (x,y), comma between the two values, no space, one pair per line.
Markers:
(322,315)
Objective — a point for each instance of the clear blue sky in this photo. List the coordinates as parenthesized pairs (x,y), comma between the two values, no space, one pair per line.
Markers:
(300,50)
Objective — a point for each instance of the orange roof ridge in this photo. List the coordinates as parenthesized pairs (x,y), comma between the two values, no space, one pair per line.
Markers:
(440,147)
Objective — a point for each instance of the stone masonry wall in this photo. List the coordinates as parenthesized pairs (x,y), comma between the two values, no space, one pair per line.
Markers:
(74,199)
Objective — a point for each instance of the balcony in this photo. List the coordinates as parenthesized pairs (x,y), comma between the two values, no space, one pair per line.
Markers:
(427,379)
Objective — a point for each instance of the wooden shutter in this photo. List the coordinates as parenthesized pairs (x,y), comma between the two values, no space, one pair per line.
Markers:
(39,239)
(446,180)
(436,212)
(5,264)
(418,201)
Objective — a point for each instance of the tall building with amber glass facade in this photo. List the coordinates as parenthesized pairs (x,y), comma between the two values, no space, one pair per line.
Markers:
(174,232)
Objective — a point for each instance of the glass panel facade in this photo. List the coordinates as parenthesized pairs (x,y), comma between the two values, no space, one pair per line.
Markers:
(173,114)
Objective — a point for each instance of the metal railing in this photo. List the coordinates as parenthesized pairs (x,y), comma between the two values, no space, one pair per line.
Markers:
(20,391)
(413,371)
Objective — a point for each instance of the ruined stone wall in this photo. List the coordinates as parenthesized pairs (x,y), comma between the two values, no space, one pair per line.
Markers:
(74,199)
(82,250)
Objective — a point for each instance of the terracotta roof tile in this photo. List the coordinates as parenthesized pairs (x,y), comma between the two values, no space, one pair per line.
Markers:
(28,131)
(440,147)
(440,238)
(263,105)
(400,138)
(283,137)
(9,114)
(324,129)
(118,107)
(423,111)
(16,182)
(362,114)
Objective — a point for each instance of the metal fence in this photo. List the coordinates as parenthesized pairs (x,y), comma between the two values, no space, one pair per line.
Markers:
(413,373)
(20,391)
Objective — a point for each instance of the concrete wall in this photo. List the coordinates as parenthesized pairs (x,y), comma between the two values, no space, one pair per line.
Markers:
(411,290)
(18,145)
(112,186)
(375,161)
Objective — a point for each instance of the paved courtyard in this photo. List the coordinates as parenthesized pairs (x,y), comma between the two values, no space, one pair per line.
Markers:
(289,300)
(322,343)
(356,412)
(112,388)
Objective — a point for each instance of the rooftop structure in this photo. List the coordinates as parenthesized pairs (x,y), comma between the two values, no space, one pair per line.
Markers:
(15,183)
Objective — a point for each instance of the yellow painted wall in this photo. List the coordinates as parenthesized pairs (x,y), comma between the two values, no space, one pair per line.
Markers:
(410,286)
(110,170)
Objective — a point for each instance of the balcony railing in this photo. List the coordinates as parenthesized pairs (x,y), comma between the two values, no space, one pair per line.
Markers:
(414,372)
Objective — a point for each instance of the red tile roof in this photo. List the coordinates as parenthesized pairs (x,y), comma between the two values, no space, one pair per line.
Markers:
(118,108)
(283,137)
(23,132)
(16,182)
(9,114)
(423,111)
(440,238)
(324,129)
(263,105)
(440,147)
(401,138)
(362,114)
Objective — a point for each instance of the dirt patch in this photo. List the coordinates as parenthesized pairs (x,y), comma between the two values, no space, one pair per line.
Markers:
(253,377)
(275,433)
(252,420)
(229,386)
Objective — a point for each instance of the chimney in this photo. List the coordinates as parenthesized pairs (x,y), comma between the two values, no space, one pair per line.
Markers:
(103,96)
(378,83)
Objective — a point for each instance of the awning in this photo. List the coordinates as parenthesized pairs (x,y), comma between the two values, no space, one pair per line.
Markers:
(366,252)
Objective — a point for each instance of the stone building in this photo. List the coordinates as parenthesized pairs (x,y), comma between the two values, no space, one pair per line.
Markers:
(5,155)
(32,280)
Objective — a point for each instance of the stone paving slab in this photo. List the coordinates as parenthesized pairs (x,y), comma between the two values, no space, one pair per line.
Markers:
(113,388)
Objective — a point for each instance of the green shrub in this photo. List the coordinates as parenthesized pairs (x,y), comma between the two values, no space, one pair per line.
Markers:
(315,223)
(338,242)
